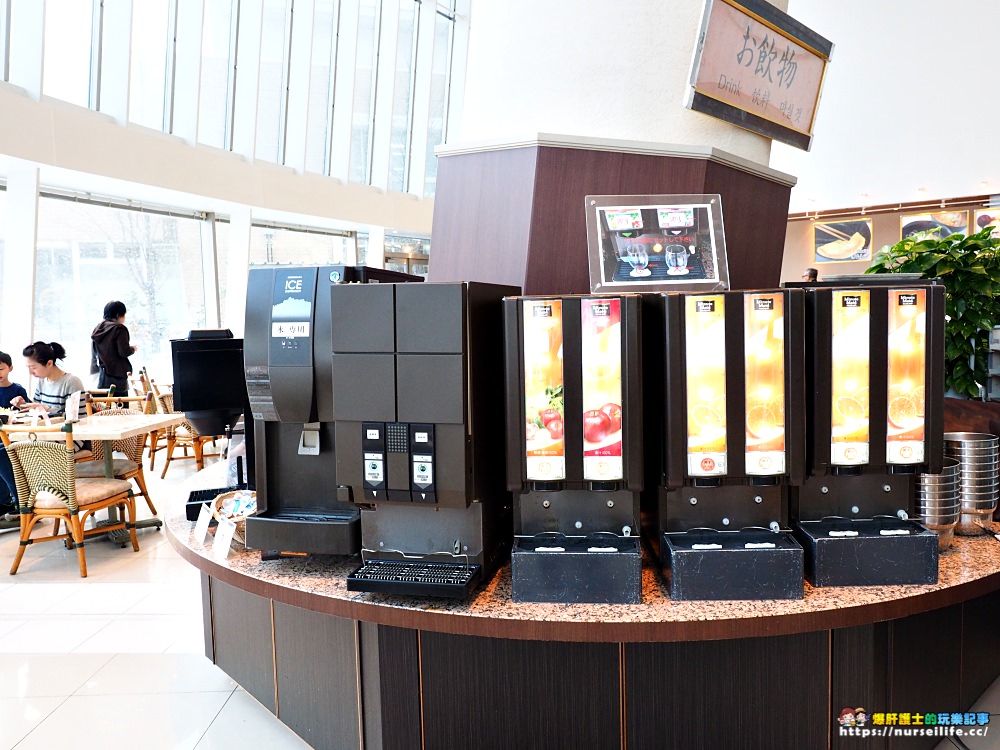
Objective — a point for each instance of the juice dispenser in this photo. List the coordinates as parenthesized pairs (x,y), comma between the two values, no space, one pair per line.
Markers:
(574,447)
(287,344)
(417,384)
(876,375)
(728,370)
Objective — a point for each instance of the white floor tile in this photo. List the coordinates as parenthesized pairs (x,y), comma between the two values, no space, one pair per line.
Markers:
(34,597)
(175,721)
(245,723)
(22,715)
(46,675)
(57,636)
(140,634)
(169,599)
(153,570)
(100,597)
(7,624)
(140,674)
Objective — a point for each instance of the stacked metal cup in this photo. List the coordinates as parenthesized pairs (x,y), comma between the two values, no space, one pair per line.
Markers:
(938,501)
(978,478)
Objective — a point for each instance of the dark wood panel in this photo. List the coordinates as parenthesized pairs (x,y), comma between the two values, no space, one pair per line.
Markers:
(244,646)
(723,694)
(962,415)
(399,688)
(500,694)
(482,213)
(755,211)
(980,657)
(317,677)
(925,672)
(859,678)
(557,254)
(371,689)
(206,616)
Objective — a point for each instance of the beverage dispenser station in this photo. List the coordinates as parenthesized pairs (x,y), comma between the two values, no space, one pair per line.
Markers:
(287,345)
(732,396)
(418,428)
(574,451)
(875,347)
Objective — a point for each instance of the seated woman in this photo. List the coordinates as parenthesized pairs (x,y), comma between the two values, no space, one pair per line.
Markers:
(55,386)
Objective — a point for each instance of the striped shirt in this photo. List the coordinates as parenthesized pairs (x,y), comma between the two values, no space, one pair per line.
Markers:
(53,395)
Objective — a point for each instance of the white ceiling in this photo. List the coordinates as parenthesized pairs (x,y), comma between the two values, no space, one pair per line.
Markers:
(909,106)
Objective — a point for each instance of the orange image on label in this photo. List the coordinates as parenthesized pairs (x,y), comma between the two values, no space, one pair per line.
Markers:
(764,366)
(705,358)
(907,341)
(850,376)
(542,352)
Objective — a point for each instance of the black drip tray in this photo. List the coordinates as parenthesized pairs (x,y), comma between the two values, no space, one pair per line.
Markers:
(745,564)
(455,580)
(868,552)
(310,516)
(600,569)
(197,497)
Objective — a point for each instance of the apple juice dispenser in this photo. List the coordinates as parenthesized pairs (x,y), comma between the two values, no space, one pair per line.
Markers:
(574,447)
(876,374)
(417,384)
(287,363)
(729,372)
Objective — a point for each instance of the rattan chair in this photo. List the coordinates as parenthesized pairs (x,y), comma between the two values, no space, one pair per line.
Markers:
(47,487)
(183,435)
(126,468)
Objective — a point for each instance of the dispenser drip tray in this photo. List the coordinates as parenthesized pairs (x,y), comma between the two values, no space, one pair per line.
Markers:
(744,564)
(319,531)
(455,580)
(599,569)
(868,552)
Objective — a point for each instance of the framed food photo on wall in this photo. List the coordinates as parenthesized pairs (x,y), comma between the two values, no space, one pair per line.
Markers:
(942,223)
(988,217)
(840,241)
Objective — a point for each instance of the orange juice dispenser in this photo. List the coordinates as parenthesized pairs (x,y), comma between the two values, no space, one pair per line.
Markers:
(876,413)
(729,374)
(574,447)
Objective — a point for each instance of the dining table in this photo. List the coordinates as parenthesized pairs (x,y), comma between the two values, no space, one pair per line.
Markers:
(113,427)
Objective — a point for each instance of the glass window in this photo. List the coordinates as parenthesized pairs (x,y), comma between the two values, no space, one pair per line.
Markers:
(148,67)
(4,40)
(152,263)
(438,115)
(67,58)
(401,95)
(320,85)
(271,85)
(3,239)
(279,245)
(364,82)
(216,69)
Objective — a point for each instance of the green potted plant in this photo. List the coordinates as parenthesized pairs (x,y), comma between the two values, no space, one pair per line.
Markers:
(969,267)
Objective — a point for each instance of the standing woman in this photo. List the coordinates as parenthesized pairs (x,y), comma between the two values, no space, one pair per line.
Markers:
(54,387)
(111,348)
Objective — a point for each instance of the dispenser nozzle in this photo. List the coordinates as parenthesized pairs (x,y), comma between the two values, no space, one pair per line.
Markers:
(775,527)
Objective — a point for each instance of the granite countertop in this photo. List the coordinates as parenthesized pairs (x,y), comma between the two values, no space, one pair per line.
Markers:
(968,569)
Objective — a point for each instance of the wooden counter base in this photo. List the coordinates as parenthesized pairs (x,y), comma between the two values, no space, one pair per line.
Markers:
(348,670)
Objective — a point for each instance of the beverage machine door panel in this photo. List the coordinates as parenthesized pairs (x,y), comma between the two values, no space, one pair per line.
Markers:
(290,352)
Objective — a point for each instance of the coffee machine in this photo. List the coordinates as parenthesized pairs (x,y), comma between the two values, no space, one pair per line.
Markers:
(726,372)
(418,409)
(875,348)
(287,358)
(574,447)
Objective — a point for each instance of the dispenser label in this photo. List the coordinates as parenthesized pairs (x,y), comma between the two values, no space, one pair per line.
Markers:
(601,359)
(764,366)
(288,330)
(907,376)
(542,354)
(850,377)
(374,468)
(705,356)
(423,471)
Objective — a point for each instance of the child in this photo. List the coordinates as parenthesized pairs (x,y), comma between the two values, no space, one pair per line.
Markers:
(8,390)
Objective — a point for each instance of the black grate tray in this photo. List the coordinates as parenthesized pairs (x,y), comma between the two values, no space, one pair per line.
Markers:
(658,271)
(415,578)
